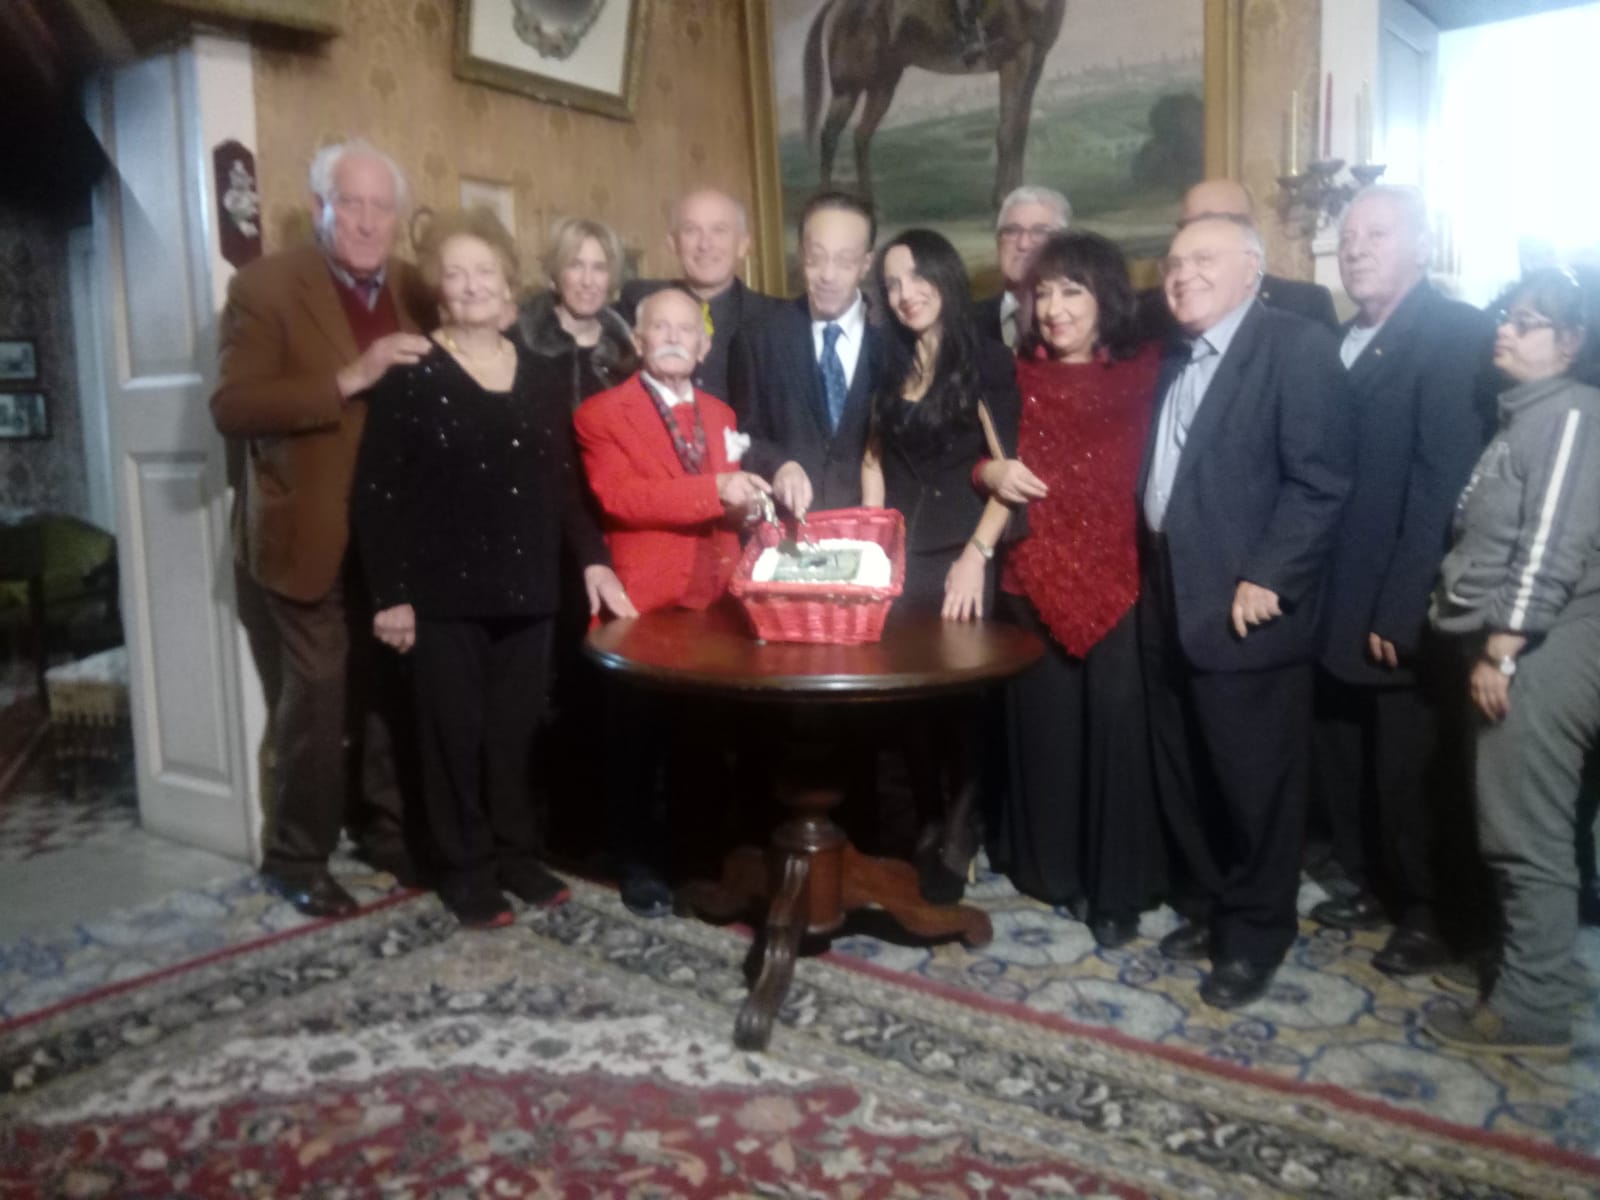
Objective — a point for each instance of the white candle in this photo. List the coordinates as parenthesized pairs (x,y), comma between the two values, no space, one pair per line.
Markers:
(1294,133)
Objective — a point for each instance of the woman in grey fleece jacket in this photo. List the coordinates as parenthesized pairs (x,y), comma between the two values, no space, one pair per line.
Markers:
(1522,582)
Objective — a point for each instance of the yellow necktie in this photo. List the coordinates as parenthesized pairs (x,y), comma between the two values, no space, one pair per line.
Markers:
(705,315)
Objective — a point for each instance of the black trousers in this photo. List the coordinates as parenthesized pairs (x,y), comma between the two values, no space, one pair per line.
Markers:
(1232,754)
(480,692)
(1381,775)
(1079,819)
(338,721)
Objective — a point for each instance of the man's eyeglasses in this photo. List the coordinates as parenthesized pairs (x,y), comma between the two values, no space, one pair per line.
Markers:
(1522,321)
(1015,233)
(1203,261)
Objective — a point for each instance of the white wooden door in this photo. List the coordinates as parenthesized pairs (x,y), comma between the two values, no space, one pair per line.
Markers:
(154,224)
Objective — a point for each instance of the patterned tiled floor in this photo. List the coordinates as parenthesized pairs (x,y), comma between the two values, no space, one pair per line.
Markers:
(1330,1019)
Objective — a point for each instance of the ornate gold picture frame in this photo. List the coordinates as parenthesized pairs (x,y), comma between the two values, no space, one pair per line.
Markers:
(585,54)
(1220,55)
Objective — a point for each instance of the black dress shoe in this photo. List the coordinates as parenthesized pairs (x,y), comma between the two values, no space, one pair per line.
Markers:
(1361,911)
(314,895)
(1235,983)
(1189,942)
(477,905)
(1411,952)
(645,893)
(535,886)
(1112,930)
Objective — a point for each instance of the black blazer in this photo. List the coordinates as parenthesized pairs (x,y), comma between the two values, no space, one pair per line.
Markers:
(1424,402)
(775,387)
(933,487)
(1309,300)
(750,309)
(986,316)
(1259,489)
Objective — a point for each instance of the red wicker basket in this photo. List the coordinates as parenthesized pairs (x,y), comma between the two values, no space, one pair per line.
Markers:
(835,613)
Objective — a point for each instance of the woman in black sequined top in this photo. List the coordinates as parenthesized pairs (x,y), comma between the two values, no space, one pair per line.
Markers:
(466,487)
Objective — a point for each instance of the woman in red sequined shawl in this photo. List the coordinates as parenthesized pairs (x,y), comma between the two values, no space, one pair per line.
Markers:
(1078,824)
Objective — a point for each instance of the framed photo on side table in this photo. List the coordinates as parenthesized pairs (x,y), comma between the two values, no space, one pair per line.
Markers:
(23,416)
(586,54)
(19,360)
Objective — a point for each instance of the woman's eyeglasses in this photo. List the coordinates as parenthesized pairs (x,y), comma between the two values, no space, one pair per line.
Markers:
(1523,321)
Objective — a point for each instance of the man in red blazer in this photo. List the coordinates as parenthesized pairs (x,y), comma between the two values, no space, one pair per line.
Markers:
(662,461)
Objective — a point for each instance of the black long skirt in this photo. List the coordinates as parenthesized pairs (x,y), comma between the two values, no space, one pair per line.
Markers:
(1077,822)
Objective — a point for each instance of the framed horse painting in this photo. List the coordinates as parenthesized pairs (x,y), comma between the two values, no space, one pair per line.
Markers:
(937,109)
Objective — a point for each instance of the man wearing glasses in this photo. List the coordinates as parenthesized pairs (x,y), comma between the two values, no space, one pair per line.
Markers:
(801,383)
(1244,479)
(1028,216)
(1419,366)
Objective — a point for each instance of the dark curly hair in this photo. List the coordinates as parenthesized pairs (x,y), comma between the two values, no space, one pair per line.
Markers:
(1570,298)
(1093,262)
(952,396)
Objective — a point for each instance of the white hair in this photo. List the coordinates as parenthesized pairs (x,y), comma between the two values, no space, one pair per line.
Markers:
(1413,205)
(1030,194)
(326,164)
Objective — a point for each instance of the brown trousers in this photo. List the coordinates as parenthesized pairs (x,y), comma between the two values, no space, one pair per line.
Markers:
(335,729)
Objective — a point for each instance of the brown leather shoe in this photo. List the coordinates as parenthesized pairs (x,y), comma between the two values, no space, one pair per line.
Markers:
(316,895)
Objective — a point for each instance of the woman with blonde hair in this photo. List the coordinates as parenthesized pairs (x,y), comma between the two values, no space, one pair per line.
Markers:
(466,487)
(584,342)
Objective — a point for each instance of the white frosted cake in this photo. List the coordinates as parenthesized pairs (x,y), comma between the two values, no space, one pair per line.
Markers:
(828,561)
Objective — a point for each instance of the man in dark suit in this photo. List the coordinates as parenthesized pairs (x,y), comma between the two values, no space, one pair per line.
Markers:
(1028,216)
(801,384)
(1417,365)
(710,236)
(305,335)
(1246,472)
(1227,198)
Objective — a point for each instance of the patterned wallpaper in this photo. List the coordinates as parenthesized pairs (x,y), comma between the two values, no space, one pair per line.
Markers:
(36,302)
(388,78)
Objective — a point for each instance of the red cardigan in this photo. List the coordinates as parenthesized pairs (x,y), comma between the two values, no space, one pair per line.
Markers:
(655,515)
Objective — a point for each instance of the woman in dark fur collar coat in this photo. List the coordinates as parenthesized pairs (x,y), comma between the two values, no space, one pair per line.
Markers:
(589,347)
(580,346)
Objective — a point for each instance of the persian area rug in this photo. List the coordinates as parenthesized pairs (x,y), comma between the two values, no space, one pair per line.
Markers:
(585,1053)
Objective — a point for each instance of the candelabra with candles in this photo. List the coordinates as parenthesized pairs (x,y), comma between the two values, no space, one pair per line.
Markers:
(1317,197)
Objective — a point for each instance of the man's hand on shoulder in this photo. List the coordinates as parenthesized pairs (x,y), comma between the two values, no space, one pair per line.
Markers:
(396,349)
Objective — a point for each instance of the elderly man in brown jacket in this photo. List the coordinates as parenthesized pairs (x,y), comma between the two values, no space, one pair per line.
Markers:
(305,334)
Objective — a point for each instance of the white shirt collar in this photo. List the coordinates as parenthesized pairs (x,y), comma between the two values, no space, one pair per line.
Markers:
(850,322)
(668,396)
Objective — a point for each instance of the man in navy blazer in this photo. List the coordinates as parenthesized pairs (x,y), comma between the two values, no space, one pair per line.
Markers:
(1229,198)
(1419,366)
(801,383)
(1245,475)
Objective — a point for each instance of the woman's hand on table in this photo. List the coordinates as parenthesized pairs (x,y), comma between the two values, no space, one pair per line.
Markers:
(963,587)
(1009,480)
(606,592)
(396,627)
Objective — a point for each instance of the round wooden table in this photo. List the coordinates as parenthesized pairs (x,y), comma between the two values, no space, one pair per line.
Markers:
(809,876)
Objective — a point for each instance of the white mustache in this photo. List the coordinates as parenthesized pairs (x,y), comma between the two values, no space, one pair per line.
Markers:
(673,351)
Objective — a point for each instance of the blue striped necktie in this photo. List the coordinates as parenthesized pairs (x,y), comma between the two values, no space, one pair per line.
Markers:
(834,385)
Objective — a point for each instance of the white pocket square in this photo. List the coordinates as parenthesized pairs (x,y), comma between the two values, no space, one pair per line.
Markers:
(734,444)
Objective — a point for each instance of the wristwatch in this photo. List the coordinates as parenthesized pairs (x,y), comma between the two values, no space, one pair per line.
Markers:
(982,547)
(1506,664)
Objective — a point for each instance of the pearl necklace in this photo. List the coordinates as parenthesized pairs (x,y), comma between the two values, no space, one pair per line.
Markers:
(451,345)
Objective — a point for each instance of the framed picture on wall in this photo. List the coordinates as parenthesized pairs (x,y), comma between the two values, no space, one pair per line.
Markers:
(586,54)
(19,360)
(24,415)
(1119,104)
(498,198)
